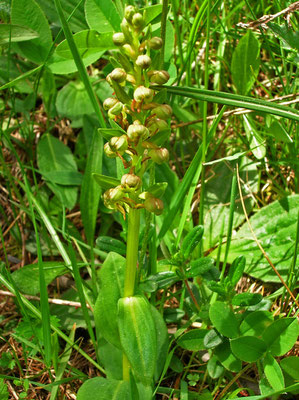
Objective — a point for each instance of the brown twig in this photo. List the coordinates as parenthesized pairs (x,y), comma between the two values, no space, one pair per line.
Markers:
(53,301)
(258,243)
(268,18)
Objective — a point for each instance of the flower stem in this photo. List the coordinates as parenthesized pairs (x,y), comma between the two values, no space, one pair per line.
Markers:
(132,251)
(131,268)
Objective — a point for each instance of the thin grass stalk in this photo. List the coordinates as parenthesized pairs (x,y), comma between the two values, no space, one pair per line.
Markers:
(82,298)
(79,63)
(205,121)
(163,31)
(177,31)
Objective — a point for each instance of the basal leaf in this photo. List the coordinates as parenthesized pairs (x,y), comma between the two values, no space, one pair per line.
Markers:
(102,389)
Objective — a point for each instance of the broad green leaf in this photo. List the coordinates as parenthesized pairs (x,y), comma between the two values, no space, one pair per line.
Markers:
(255,323)
(15,33)
(111,358)
(17,76)
(111,282)
(223,319)
(151,12)
(106,182)
(67,178)
(215,369)
(227,358)
(138,336)
(217,198)
(90,191)
(73,101)
(28,14)
(245,63)
(102,389)
(71,8)
(193,340)
(248,348)
(108,244)
(246,299)
(256,142)
(273,372)
(109,133)
(61,66)
(287,35)
(88,42)
(53,155)
(281,335)
(27,278)
(290,365)
(275,227)
(102,16)
(212,339)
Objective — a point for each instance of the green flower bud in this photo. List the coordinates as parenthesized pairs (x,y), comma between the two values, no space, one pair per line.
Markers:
(159,156)
(143,93)
(138,21)
(129,12)
(143,61)
(108,151)
(130,182)
(155,43)
(118,39)
(159,77)
(154,205)
(109,103)
(118,75)
(128,49)
(119,143)
(136,131)
(115,110)
(164,111)
(111,196)
(155,125)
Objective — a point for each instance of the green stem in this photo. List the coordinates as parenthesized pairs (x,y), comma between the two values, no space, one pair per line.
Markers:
(163,31)
(131,268)
(132,251)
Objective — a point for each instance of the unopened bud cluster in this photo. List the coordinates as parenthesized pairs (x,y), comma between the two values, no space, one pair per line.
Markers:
(135,110)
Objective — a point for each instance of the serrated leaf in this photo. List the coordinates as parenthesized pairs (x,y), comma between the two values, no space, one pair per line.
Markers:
(224,319)
(88,42)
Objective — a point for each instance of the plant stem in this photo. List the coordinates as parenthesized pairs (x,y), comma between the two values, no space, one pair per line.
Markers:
(131,268)
(132,251)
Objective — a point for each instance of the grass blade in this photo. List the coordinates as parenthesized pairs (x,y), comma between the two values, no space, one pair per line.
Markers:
(234,100)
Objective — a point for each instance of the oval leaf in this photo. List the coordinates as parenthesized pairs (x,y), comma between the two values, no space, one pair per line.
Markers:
(248,348)
(255,323)
(193,340)
(273,372)
(281,335)
(224,320)
(102,389)
(246,299)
